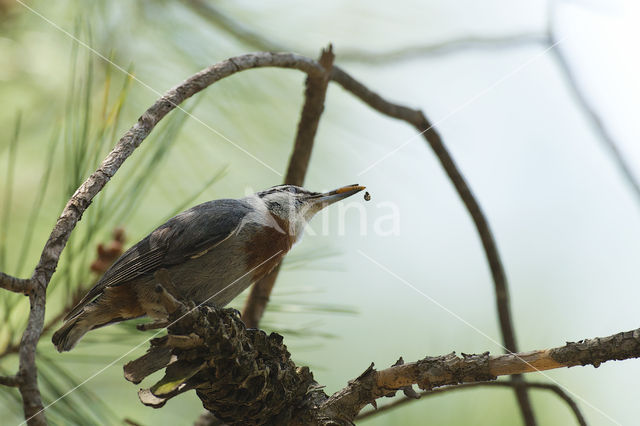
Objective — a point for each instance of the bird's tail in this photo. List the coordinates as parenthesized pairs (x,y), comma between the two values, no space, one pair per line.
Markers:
(70,333)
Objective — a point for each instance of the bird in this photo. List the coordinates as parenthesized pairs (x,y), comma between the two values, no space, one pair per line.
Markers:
(212,252)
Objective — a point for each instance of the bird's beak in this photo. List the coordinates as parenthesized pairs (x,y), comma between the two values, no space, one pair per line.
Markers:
(331,197)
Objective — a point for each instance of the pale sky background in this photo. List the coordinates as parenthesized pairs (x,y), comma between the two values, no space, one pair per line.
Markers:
(566,222)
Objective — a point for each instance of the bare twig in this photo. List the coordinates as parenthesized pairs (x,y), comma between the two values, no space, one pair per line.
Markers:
(420,122)
(594,118)
(106,255)
(445,47)
(259,41)
(11,381)
(509,384)
(316,89)
(231,26)
(17,285)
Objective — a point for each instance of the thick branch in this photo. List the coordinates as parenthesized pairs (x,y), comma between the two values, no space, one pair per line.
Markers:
(432,372)
(315,93)
(420,122)
(244,376)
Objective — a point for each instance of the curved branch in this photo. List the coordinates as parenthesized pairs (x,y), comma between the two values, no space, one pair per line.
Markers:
(81,199)
(508,384)
(426,129)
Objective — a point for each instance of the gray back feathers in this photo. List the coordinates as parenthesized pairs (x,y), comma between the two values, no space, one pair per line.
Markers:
(182,237)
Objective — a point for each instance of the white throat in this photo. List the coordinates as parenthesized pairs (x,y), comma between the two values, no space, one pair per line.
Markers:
(295,217)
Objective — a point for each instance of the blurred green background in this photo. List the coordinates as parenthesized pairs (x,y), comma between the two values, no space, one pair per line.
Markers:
(566,222)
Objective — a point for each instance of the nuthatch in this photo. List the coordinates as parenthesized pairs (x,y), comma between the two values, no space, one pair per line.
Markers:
(212,252)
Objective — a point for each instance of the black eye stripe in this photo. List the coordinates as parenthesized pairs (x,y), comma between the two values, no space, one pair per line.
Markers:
(292,189)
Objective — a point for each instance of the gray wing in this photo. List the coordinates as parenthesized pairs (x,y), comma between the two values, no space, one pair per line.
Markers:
(188,234)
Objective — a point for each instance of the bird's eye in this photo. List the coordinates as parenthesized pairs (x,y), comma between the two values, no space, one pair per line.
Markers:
(292,189)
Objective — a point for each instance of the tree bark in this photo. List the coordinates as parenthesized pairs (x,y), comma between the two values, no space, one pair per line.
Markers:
(244,376)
